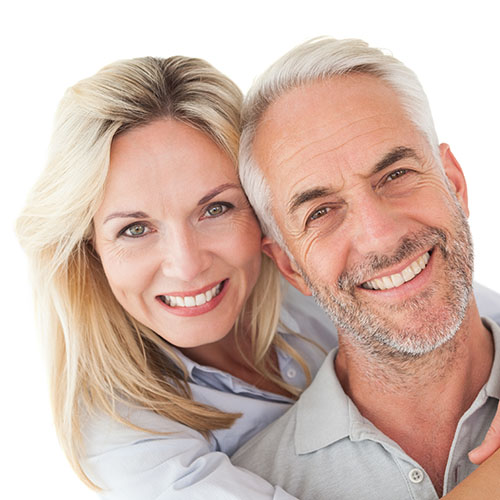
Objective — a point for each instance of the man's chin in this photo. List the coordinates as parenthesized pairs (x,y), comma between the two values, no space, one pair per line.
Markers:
(412,329)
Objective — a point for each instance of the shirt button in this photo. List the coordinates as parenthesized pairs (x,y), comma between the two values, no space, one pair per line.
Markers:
(416,476)
(291,373)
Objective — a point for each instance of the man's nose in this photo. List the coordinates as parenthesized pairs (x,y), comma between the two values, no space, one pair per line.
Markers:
(185,255)
(377,226)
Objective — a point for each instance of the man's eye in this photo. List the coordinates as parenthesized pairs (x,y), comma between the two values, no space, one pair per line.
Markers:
(217,209)
(318,213)
(135,230)
(397,173)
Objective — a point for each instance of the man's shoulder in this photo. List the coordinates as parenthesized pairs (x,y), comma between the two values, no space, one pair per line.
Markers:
(339,469)
(488,302)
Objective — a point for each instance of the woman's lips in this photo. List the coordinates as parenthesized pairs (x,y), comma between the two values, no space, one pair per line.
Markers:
(194,305)
(192,300)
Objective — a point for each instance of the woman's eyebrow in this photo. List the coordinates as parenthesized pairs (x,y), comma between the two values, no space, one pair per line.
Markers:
(143,215)
(126,215)
(217,190)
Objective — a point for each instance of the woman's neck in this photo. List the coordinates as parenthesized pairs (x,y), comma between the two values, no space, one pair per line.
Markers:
(234,357)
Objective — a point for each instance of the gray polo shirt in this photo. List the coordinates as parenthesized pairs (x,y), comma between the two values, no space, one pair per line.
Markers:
(324,448)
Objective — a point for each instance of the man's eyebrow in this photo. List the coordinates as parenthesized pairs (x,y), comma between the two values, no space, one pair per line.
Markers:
(394,156)
(216,191)
(301,198)
(126,215)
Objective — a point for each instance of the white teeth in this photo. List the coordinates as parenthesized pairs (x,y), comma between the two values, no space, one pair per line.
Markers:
(408,273)
(386,280)
(190,301)
(200,299)
(395,280)
(415,267)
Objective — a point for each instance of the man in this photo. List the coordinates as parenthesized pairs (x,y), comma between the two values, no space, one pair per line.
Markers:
(365,210)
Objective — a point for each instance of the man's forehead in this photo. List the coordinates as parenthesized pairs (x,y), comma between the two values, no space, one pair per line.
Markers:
(332,121)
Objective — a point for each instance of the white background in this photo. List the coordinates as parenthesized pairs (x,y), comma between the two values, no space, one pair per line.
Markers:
(47,46)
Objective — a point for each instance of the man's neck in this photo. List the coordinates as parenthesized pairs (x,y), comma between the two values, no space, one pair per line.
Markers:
(417,402)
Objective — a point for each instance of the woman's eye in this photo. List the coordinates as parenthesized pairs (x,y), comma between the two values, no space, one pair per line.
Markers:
(318,213)
(217,209)
(135,230)
(397,173)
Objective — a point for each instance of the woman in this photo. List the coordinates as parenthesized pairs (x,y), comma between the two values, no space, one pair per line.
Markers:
(158,308)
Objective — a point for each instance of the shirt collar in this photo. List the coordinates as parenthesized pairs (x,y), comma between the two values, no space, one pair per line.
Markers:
(208,376)
(286,319)
(492,386)
(325,414)
(323,411)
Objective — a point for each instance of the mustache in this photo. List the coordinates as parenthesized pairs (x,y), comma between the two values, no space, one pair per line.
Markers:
(408,246)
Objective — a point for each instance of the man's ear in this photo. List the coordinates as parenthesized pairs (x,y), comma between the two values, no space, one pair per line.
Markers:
(455,175)
(285,265)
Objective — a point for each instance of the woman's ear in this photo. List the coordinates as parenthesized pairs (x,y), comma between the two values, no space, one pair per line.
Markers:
(287,268)
(455,175)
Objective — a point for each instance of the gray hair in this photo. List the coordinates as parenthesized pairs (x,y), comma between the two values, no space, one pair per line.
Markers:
(319,59)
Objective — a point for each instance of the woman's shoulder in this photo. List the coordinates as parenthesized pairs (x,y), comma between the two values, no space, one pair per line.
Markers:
(488,302)
(301,314)
(122,456)
(104,433)
(169,461)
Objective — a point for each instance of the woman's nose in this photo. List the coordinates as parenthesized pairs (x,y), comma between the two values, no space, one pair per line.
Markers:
(185,255)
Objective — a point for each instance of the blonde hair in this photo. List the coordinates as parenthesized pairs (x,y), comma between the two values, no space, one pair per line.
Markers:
(99,354)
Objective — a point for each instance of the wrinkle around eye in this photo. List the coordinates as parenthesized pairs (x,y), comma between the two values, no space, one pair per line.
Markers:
(330,213)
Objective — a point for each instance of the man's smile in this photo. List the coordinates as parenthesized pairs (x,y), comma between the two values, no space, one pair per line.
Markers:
(398,279)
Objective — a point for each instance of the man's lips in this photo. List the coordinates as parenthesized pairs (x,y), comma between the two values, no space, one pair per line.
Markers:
(198,299)
(397,279)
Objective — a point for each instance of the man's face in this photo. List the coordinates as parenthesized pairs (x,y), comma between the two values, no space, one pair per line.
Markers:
(377,230)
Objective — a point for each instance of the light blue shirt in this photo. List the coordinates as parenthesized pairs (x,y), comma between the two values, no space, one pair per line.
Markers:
(133,465)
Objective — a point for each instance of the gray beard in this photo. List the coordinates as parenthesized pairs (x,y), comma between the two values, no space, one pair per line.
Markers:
(373,330)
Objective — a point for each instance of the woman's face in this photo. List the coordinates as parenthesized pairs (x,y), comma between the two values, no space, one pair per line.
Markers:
(178,241)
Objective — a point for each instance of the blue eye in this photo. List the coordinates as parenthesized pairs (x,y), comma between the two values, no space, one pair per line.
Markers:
(135,230)
(217,209)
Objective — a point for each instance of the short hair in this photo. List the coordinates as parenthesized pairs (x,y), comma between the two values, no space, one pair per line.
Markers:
(97,352)
(320,59)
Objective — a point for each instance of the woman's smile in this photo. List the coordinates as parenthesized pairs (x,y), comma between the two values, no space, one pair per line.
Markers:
(178,241)
(194,305)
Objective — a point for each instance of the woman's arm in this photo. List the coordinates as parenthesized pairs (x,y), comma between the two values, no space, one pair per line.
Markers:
(131,464)
(483,483)
(488,303)
(490,444)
